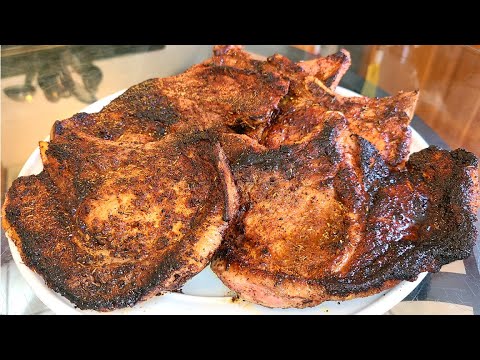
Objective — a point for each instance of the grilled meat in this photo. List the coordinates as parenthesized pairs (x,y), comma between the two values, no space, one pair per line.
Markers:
(108,224)
(231,92)
(325,219)
(383,122)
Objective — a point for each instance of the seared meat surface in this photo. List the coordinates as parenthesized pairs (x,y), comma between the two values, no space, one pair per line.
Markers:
(205,96)
(229,92)
(108,224)
(382,121)
(325,219)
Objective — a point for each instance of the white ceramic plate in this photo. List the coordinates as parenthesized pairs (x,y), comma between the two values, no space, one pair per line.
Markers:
(205,293)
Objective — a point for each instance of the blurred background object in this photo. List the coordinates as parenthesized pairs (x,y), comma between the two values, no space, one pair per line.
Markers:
(448,77)
(22,92)
(61,71)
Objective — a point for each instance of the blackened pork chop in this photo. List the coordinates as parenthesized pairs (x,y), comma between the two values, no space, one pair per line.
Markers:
(217,94)
(382,121)
(108,224)
(325,219)
(230,92)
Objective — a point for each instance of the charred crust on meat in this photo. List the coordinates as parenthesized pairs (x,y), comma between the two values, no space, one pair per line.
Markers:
(285,158)
(416,219)
(59,151)
(69,248)
(373,166)
(140,101)
(58,128)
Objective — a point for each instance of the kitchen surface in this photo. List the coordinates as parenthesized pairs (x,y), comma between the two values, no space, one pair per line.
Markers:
(42,84)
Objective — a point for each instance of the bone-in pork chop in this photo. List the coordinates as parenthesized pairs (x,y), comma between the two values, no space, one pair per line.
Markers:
(108,224)
(382,121)
(325,219)
(229,92)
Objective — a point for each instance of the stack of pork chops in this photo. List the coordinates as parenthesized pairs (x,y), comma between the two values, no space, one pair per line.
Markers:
(294,194)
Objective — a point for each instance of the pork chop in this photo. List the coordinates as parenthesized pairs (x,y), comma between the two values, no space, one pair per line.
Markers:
(108,224)
(325,218)
(382,121)
(230,92)
(217,94)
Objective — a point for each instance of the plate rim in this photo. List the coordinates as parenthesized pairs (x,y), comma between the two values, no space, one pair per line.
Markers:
(221,305)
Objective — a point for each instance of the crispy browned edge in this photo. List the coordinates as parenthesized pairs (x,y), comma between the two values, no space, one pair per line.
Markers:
(329,69)
(286,293)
